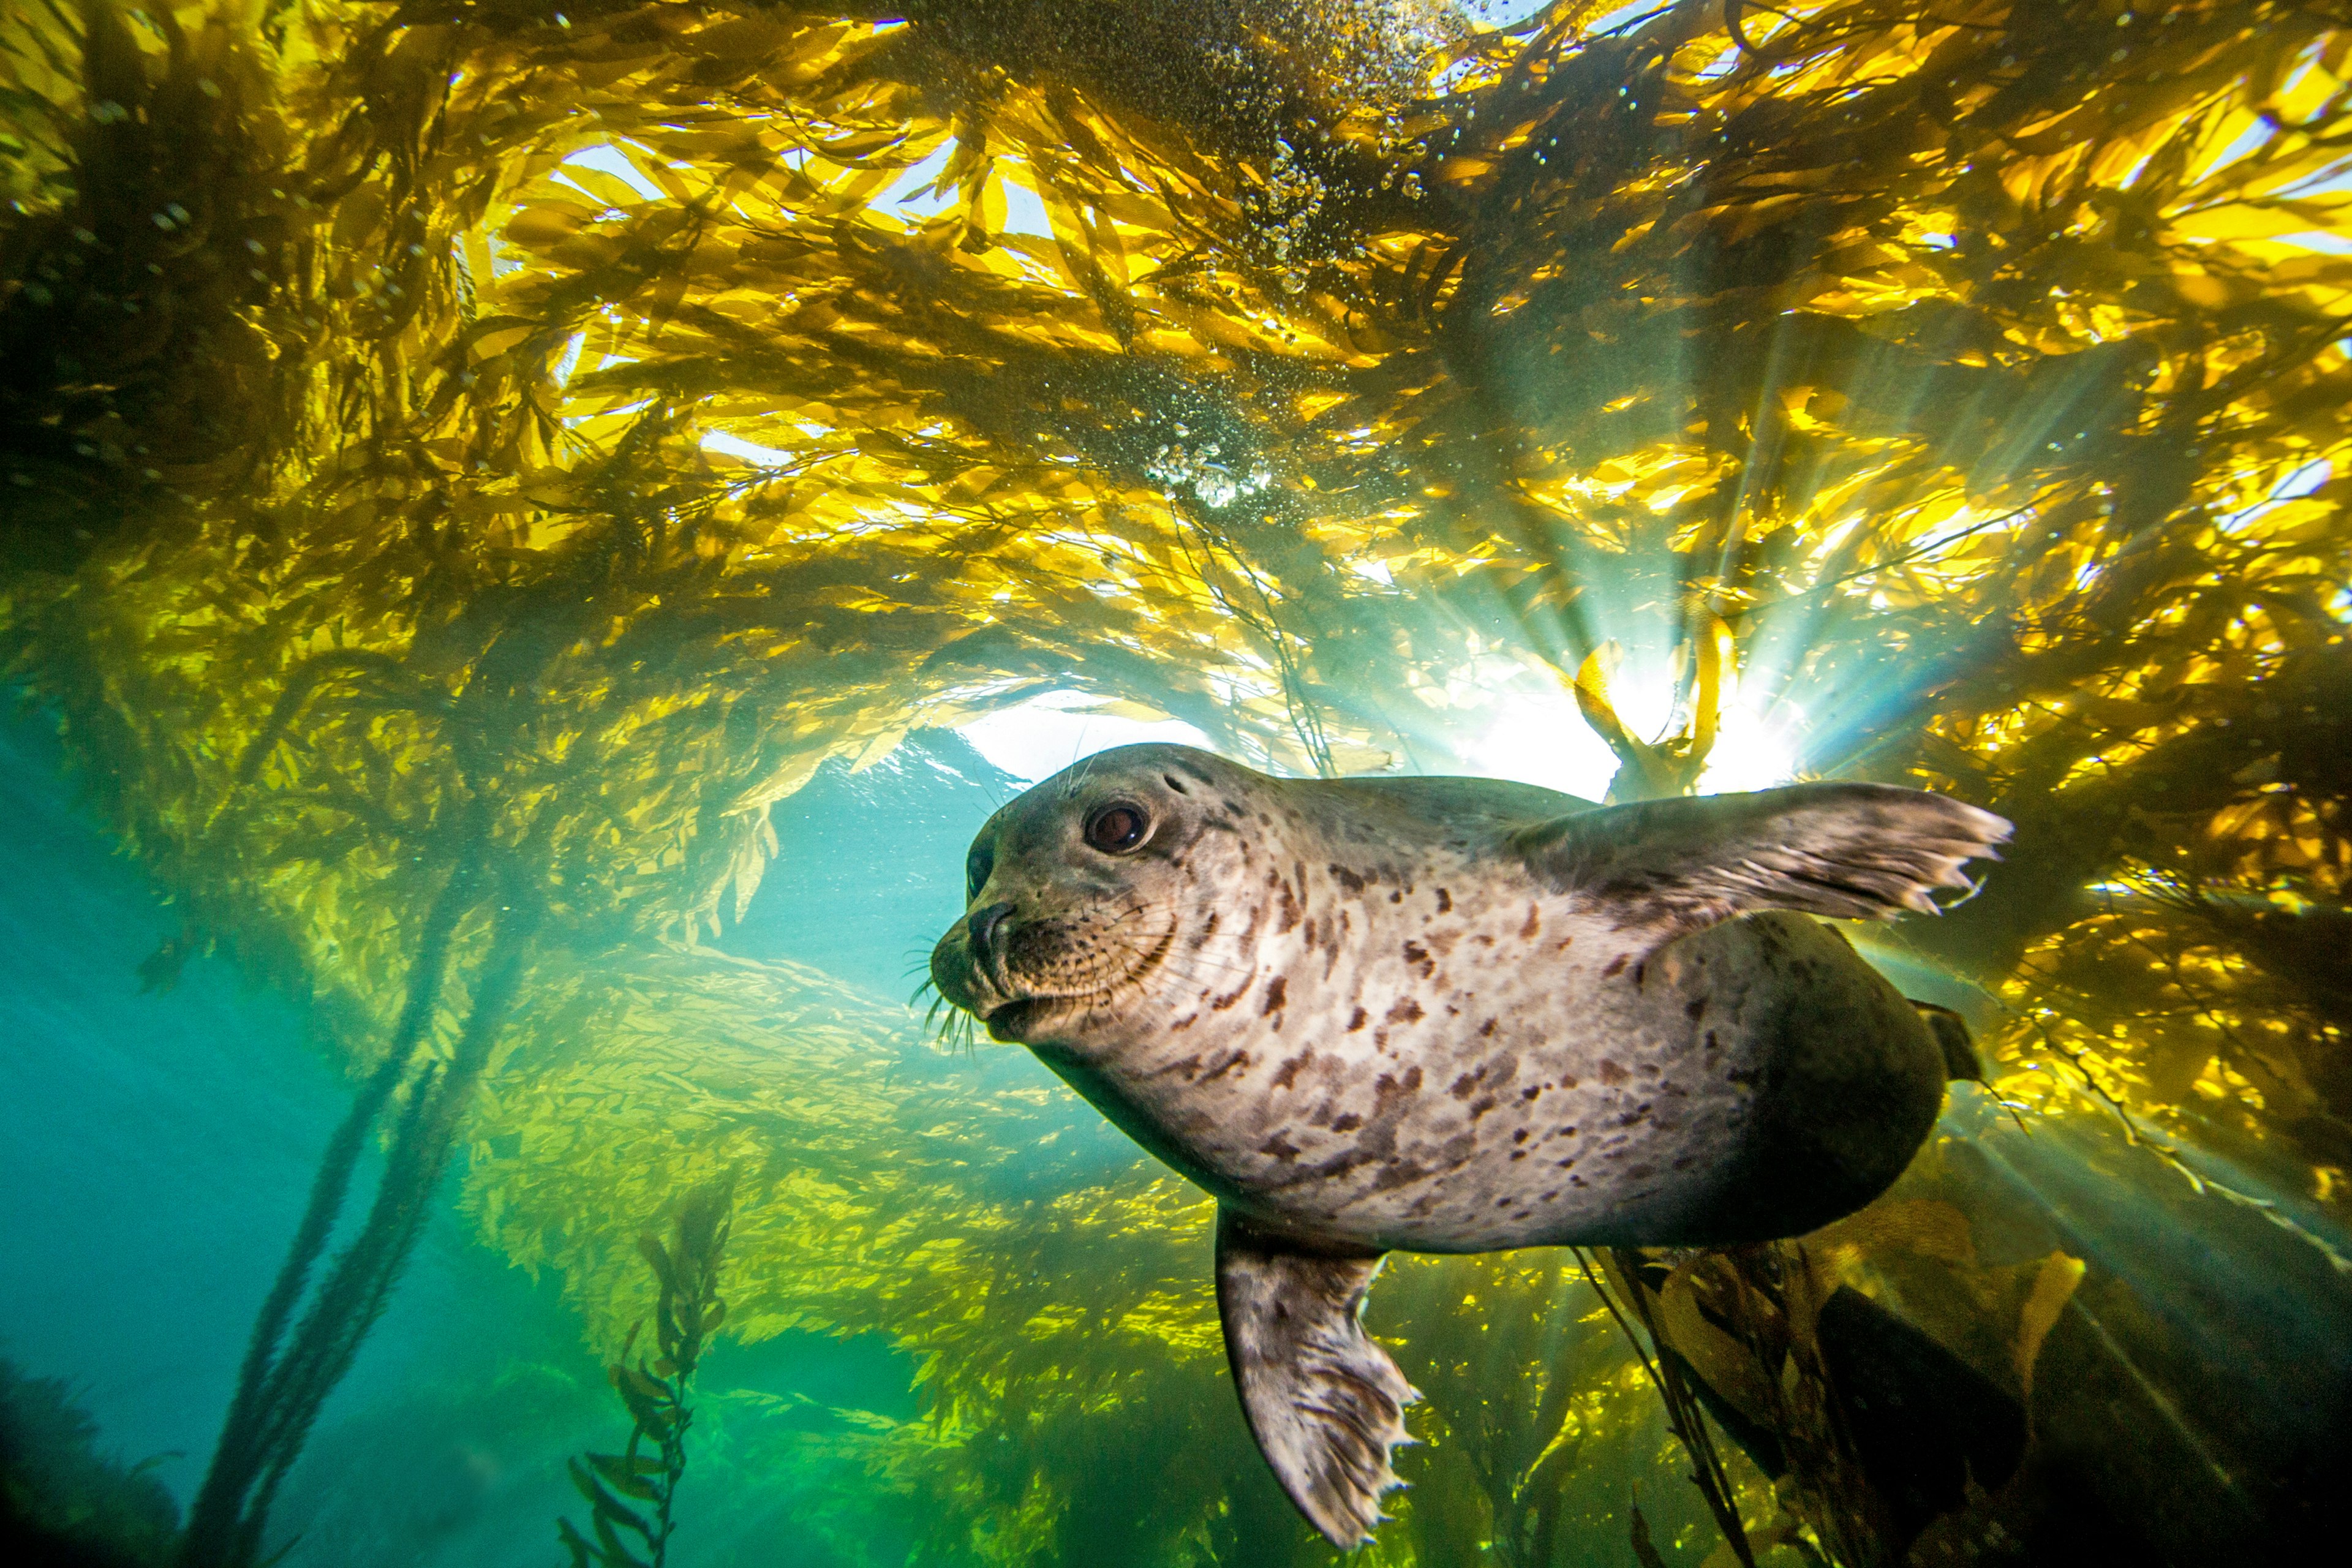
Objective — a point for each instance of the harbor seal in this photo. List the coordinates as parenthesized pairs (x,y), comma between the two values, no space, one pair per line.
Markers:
(1447,1015)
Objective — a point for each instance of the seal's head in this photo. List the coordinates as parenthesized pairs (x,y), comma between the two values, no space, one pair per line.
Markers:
(1077,893)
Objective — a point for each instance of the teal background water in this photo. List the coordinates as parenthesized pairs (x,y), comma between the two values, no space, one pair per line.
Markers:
(160,1146)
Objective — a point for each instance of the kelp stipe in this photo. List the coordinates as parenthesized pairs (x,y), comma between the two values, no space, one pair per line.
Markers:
(654,1390)
(284,1381)
(1684,1417)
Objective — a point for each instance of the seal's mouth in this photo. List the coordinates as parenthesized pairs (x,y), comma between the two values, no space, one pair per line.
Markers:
(982,985)
(1011,1022)
(993,998)
(1017,980)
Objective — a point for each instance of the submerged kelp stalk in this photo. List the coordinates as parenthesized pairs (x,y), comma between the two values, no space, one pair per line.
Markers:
(654,1390)
(1684,1417)
(283,1381)
(1668,764)
(238,1462)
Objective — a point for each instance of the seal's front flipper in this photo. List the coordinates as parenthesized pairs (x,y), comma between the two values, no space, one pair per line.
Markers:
(1952,1038)
(1325,1402)
(1850,851)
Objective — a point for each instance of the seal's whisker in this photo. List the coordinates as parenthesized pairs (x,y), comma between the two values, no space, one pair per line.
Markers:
(1077,771)
(945,1025)
(1191,966)
(1160,952)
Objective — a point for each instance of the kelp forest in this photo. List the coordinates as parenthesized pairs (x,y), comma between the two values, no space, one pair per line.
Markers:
(471,470)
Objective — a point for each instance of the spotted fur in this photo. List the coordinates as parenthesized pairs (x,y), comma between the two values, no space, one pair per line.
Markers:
(1460,1015)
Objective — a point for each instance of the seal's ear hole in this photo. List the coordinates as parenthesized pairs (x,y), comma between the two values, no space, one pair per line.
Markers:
(976,867)
(1169,780)
(1117,827)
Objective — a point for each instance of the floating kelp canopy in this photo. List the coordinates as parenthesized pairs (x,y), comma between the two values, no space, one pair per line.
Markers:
(462,464)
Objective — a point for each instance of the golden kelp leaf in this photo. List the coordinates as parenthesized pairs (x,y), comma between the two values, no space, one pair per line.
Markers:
(1922,1227)
(2053,1287)
(1722,1362)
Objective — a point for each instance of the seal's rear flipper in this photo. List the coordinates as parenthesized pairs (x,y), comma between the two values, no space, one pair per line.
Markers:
(1325,1402)
(1952,1037)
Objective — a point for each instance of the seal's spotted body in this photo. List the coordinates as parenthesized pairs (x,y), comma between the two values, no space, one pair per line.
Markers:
(1455,1015)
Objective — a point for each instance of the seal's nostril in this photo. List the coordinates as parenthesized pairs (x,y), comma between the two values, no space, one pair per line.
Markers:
(981,924)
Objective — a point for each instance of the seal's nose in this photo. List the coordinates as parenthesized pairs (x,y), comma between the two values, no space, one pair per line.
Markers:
(980,925)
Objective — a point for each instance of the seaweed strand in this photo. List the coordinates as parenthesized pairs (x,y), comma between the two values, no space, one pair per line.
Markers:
(327,1190)
(654,1391)
(1683,1417)
(284,1383)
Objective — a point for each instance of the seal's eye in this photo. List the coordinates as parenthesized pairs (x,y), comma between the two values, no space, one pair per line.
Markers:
(976,867)
(1117,827)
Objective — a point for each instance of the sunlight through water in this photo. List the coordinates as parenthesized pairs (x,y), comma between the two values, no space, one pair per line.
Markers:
(1046,733)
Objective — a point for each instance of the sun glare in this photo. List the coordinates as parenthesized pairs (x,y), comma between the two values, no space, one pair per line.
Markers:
(1752,751)
(1039,737)
(1544,740)
(1541,739)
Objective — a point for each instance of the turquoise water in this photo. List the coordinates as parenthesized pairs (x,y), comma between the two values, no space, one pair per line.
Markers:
(166,1141)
